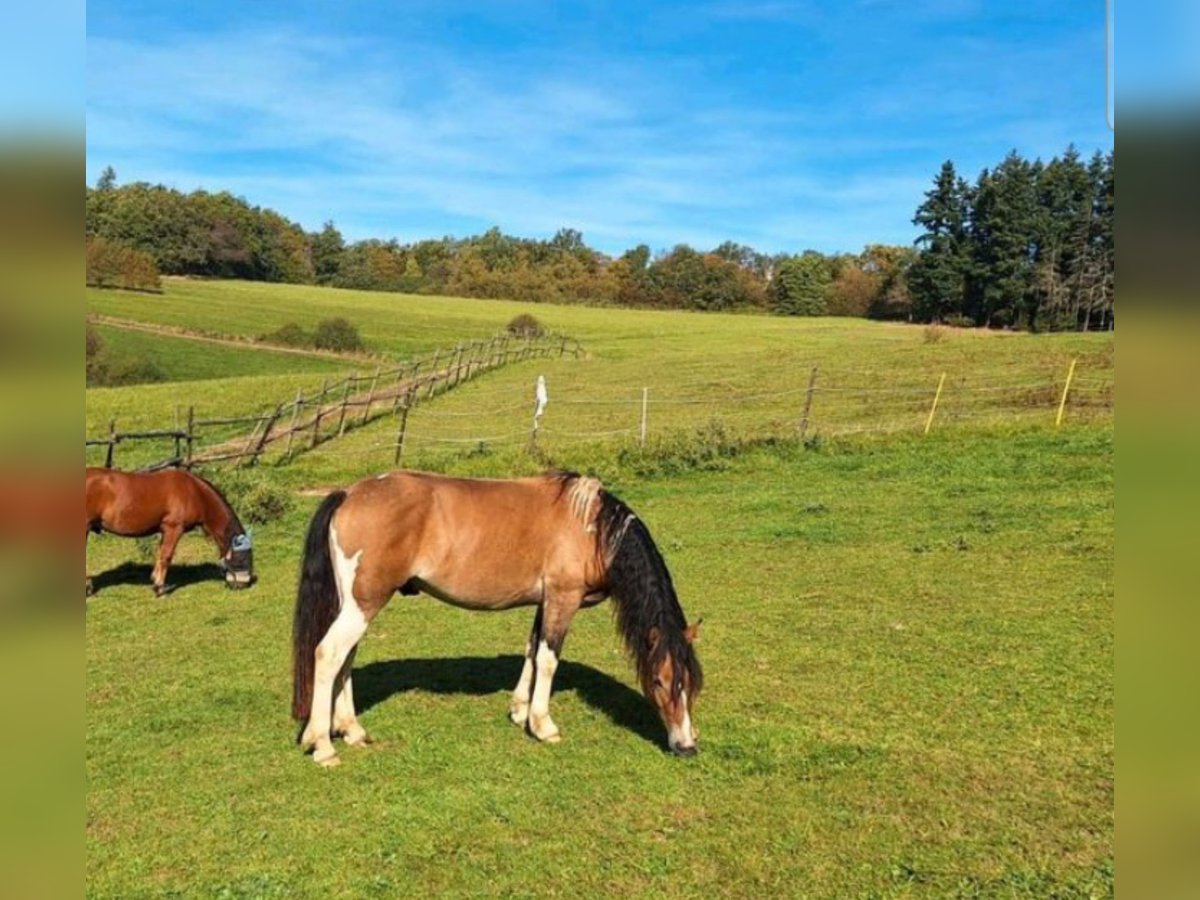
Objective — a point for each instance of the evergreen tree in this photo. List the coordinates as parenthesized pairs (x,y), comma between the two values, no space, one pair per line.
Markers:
(328,248)
(801,285)
(1004,229)
(936,279)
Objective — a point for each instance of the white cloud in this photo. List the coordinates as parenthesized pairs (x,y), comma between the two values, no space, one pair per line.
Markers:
(387,141)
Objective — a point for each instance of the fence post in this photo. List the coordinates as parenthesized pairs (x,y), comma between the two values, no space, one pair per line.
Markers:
(433,373)
(562,348)
(936,397)
(399,382)
(645,410)
(178,437)
(292,427)
(191,435)
(316,426)
(351,383)
(266,435)
(370,396)
(808,400)
(112,443)
(1062,404)
(404,425)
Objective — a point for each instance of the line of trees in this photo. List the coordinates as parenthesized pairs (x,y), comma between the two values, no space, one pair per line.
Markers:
(1028,245)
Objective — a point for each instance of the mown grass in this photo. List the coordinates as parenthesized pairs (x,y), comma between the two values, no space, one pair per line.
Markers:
(181,359)
(908,647)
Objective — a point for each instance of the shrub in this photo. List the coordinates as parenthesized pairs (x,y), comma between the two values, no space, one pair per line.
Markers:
(289,335)
(525,325)
(254,497)
(933,333)
(113,265)
(338,335)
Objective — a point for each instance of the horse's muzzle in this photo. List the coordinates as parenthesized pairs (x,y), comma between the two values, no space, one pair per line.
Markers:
(685,752)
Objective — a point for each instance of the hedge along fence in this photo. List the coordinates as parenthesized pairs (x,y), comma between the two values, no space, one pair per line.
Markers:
(302,423)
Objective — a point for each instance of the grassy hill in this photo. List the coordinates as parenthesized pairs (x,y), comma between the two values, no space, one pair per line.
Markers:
(908,639)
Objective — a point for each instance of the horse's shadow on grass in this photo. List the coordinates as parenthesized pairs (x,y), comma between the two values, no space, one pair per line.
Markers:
(138,575)
(482,675)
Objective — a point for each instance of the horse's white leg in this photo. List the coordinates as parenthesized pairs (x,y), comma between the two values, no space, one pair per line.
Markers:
(541,726)
(558,612)
(331,654)
(346,631)
(518,707)
(345,721)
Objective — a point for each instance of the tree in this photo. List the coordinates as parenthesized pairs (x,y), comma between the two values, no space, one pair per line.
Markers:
(107,180)
(937,278)
(327,249)
(1004,230)
(800,286)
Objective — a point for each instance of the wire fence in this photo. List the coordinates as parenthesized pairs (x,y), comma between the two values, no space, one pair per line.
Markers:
(302,423)
(826,403)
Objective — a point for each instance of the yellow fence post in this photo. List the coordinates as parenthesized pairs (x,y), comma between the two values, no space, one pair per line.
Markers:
(936,397)
(1062,404)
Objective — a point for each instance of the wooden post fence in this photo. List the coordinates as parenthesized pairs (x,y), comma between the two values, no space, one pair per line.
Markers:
(404,410)
(191,436)
(351,384)
(112,443)
(433,373)
(266,434)
(292,426)
(316,426)
(370,397)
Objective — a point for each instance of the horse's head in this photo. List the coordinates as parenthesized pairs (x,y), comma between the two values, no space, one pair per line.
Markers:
(671,682)
(238,562)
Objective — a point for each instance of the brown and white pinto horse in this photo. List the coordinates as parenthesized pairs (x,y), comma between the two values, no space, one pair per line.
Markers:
(171,502)
(558,542)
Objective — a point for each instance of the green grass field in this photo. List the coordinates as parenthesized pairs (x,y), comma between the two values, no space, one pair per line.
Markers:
(181,359)
(908,640)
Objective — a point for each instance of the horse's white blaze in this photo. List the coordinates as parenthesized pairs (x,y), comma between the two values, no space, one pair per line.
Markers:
(345,632)
(539,710)
(682,735)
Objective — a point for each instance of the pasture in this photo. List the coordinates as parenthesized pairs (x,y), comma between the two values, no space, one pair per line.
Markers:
(908,639)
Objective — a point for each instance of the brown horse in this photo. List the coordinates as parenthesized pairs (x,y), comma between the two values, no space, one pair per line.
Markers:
(171,502)
(558,542)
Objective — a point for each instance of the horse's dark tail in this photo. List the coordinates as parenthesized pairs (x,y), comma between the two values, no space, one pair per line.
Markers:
(316,604)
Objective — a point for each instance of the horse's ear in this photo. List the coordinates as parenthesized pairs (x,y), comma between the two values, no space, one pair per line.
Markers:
(653,636)
(692,632)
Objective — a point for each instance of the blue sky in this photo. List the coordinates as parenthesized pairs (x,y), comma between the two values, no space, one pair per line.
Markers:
(784,125)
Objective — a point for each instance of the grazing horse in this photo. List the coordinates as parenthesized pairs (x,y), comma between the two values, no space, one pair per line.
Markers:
(171,502)
(557,541)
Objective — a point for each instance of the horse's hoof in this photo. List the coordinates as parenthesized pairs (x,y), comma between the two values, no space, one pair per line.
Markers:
(518,715)
(160,591)
(357,737)
(547,734)
(327,761)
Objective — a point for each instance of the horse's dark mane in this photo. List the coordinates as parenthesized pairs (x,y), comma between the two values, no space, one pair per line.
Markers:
(234,525)
(643,594)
